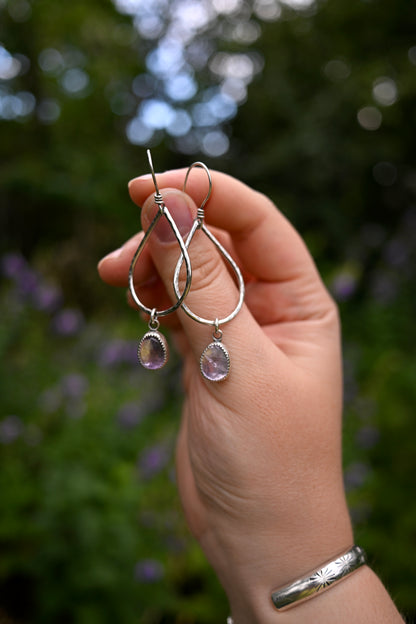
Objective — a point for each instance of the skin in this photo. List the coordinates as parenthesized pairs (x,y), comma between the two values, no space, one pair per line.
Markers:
(259,454)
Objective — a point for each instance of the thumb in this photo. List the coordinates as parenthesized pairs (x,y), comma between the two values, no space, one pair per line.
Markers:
(214,294)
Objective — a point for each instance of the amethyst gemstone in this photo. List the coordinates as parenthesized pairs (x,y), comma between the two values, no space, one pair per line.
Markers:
(153,350)
(215,362)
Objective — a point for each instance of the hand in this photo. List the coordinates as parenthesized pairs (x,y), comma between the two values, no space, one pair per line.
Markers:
(259,454)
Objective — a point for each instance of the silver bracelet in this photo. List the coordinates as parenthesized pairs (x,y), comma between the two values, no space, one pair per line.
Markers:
(317,581)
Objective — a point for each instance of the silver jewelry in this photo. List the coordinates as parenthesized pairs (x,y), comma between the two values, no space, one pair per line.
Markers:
(320,580)
(215,359)
(153,348)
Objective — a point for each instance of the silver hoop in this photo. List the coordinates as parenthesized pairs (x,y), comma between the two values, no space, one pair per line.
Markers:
(199,224)
(163,211)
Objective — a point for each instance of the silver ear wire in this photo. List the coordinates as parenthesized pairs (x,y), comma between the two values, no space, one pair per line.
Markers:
(201,209)
(158,196)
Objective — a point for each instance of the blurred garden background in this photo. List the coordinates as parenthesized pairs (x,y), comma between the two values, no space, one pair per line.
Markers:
(311,102)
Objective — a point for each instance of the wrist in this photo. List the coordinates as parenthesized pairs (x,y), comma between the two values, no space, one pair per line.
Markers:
(360,598)
(250,565)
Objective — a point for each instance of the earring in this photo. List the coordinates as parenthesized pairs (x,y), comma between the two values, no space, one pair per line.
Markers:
(153,348)
(215,359)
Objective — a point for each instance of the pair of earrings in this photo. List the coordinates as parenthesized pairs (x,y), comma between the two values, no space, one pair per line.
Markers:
(153,347)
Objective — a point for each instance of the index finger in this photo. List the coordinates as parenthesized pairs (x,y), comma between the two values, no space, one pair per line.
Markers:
(267,244)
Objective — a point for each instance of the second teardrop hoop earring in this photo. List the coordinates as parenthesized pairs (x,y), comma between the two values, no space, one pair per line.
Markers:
(153,348)
(215,359)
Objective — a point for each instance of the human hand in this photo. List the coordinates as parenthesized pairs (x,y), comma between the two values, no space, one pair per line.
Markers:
(258,455)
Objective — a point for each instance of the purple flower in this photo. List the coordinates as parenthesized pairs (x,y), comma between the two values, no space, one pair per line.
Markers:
(11,428)
(130,414)
(355,475)
(117,352)
(130,352)
(148,571)
(68,322)
(47,298)
(74,385)
(12,264)
(27,282)
(67,395)
(344,285)
(73,388)
(153,460)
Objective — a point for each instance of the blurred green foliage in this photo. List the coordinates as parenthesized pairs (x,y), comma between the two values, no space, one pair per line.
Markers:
(90,525)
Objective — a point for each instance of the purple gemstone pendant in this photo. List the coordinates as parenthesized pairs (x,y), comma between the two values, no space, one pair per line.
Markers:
(153,350)
(215,362)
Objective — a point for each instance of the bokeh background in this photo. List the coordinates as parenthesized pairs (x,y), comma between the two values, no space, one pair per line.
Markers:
(310,101)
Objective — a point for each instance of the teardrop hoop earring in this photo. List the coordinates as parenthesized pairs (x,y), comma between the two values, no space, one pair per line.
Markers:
(153,350)
(215,359)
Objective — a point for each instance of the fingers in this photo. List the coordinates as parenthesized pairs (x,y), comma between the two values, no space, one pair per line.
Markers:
(213,293)
(113,268)
(285,284)
(269,249)
(268,246)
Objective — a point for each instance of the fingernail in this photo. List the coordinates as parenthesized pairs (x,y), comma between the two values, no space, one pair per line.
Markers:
(181,214)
